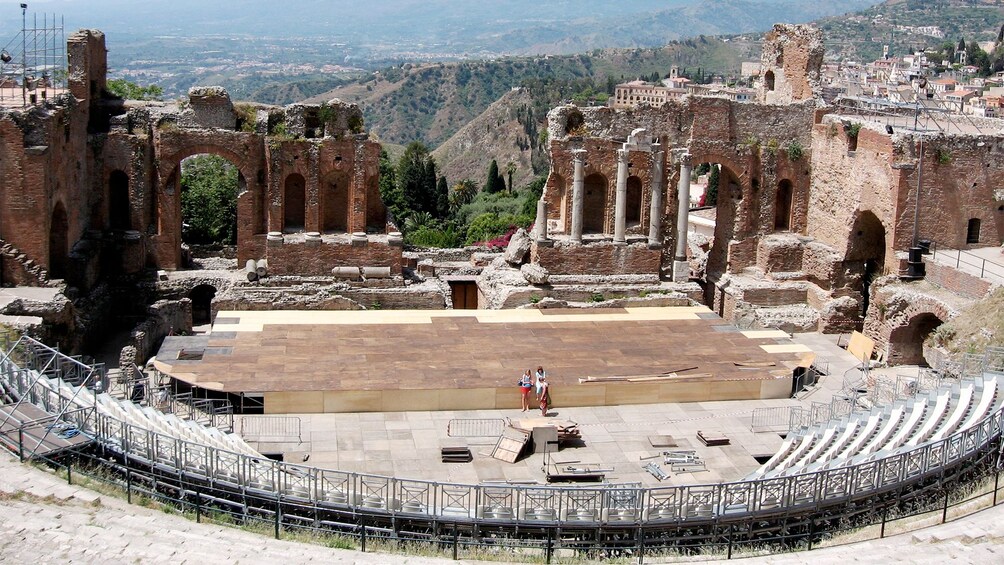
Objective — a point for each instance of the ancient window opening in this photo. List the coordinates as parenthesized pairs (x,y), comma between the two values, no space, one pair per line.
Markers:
(632,213)
(335,196)
(973,231)
(209,186)
(376,212)
(782,208)
(768,79)
(594,204)
(312,125)
(59,256)
(294,203)
(118,201)
(202,304)
(574,124)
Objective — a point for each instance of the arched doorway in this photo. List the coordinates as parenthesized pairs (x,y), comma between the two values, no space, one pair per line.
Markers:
(59,253)
(202,304)
(906,343)
(118,201)
(294,203)
(866,252)
(336,202)
(209,185)
(633,208)
(768,80)
(376,212)
(594,209)
(782,206)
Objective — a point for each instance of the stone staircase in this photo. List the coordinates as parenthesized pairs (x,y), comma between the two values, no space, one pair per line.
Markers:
(34,272)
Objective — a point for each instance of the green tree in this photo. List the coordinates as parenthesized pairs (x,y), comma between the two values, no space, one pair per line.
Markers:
(416,181)
(711,194)
(209,200)
(132,91)
(494,183)
(390,193)
(442,198)
(463,193)
(510,170)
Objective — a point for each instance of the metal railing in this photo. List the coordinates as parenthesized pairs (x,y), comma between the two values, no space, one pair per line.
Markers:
(969,262)
(274,429)
(359,500)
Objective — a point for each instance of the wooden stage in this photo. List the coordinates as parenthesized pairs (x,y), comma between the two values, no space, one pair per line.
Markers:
(400,360)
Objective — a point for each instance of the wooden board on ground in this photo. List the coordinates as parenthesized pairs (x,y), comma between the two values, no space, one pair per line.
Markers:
(662,441)
(567,430)
(754,364)
(511,443)
(861,346)
(711,439)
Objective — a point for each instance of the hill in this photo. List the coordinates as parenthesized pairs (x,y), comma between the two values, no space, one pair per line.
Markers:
(431,102)
(505,132)
(906,25)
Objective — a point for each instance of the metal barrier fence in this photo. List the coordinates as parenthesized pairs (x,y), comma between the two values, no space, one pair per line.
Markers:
(271,428)
(349,501)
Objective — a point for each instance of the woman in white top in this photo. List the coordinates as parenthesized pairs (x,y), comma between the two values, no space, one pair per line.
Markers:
(539,378)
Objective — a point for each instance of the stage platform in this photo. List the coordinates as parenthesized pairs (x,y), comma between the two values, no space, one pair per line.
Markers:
(401,360)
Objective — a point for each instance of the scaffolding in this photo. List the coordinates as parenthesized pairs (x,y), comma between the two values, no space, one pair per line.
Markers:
(33,63)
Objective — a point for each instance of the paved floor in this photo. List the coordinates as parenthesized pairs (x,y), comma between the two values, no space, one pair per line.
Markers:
(407,444)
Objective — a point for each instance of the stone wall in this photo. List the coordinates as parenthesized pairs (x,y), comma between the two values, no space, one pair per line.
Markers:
(312,258)
(956,281)
(603,258)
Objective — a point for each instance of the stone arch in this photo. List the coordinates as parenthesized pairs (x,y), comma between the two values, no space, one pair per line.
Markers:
(973,231)
(782,206)
(376,211)
(202,304)
(294,203)
(59,241)
(119,210)
(556,193)
(906,342)
(633,210)
(728,214)
(594,209)
(167,216)
(768,81)
(335,198)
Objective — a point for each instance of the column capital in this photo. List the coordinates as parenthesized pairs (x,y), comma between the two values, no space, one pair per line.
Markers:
(681,157)
(623,154)
(578,155)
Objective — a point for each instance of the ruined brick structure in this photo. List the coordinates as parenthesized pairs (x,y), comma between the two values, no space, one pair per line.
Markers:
(91,184)
(814,202)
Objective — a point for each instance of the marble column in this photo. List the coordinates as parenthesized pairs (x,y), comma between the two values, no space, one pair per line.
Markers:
(578,194)
(681,267)
(620,205)
(655,206)
(540,224)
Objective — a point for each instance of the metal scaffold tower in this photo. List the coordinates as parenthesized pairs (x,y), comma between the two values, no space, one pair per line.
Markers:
(33,63)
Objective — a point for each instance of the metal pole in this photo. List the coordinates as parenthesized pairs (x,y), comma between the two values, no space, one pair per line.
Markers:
(198,508)
(24,55)
(549,551)
(916,208)
(128,485)
(882,530)
(944,510)
(997,478)
(278,516)
(69,472)
(732,530)
(362,535)
(455,536)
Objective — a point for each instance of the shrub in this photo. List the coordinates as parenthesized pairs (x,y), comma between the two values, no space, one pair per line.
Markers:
(794,150)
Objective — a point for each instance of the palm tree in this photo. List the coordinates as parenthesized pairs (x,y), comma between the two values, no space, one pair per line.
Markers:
(463,193)
(510,169)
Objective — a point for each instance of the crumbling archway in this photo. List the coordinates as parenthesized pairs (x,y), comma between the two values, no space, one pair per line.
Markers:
(294,203)
(202,304)
(594,209)
(59,253)
(906,342)
(209,186)
(118,201)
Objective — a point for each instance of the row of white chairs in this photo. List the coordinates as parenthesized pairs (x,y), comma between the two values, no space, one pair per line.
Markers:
(868,435)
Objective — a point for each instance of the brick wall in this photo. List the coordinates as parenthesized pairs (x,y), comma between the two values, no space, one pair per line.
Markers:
(598,259)
(956,281)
